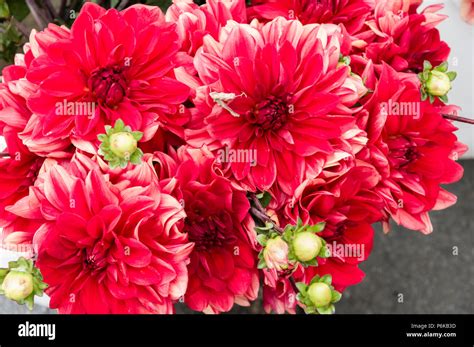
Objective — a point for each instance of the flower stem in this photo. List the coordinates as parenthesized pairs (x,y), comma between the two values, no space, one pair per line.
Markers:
(293,284)
(259,213)
(459,119)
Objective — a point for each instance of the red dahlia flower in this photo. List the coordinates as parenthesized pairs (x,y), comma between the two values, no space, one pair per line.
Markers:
(194,22)
(223,268)
(351,13)
(117,65)
(403,38)
(107,248)
(348,206)
(413,147)
(18,166)
(274,97)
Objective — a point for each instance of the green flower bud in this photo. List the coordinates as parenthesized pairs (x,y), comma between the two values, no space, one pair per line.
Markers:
(438,83)
(320,294)
(306,246)
(17,285)
(119,145)
(123,144)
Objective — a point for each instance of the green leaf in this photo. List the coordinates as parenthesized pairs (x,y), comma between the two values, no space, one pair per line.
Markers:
(287,234)
(262,239)
(312,262)
(119,125)
(163,4)
(329,309)
(326,279)
(137,135)
(335,296)
(452,75)
(4,10)
(317,227)
(299,223)
(136,157)
(18,9)
(442,67)
(3,272)
(324,252)
(314,279)
(443,98)
(30,301)
(262,264)
(432,98)
(302,287)
(265,199)
(424,95)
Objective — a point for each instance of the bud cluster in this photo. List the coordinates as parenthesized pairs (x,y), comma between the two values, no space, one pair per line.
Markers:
(296,244)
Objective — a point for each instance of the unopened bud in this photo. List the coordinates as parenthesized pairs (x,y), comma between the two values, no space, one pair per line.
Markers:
(438,84)
(123,144)
(306,246)
(17,285)
(276,254)
(320,294)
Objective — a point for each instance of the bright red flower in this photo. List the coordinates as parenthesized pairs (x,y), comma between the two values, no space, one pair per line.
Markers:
(106,248)
(18,166)
(348,206)
(194,22)
(117,64)
(351,13)
(287,101)
(223,268)
(403,38)
(413,147)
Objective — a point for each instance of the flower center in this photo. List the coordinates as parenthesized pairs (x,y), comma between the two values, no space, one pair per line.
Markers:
(95,258)
(211,232)
(108,85)
(402,151)
(270,114)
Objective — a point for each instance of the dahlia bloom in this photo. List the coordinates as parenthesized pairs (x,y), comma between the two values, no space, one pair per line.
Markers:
(107,248)
(19,167)
(276,93)
(194,22)
(348,206)
(414,152)
(278,294)
(117,64)
(222,270)
(403,38)
(348,12)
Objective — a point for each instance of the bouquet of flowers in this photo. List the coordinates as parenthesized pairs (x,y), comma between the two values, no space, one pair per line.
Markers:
(213,152)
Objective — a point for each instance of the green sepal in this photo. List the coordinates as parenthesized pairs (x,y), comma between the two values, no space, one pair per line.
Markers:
(452,75)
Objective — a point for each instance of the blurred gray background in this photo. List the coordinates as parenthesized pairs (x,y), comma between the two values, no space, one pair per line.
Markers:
(421,267)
